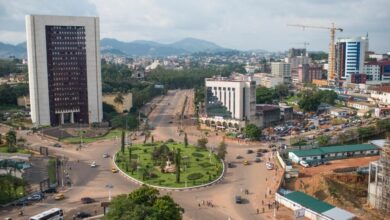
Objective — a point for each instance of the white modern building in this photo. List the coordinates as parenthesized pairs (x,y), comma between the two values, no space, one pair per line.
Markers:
(237,96)
(64,69)
(373,71)
(350,56)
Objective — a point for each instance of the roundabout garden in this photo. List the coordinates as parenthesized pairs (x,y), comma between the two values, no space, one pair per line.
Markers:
(169,164)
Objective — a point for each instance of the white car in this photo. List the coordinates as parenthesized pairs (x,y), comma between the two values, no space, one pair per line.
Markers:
(93,164)
(269,165)
(105,155)
(303,163)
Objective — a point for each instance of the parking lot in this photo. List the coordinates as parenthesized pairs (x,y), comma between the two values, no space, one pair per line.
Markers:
(336,164)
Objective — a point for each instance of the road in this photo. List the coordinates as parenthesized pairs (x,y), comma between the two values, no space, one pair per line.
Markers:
(91,182)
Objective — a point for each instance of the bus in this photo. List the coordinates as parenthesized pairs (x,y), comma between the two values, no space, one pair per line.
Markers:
(51,214)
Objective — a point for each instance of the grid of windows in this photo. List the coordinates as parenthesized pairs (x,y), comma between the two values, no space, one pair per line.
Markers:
(67,72)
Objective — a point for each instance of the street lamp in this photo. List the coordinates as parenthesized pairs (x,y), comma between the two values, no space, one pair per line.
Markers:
(109,186)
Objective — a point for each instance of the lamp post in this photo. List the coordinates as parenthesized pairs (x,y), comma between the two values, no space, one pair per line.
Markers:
(109,186)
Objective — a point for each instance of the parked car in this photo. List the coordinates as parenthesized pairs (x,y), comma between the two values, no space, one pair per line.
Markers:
(22,202)
(93,164)
(264,151)
(230,165)
(83,215)
(114,170)
(50,190)
(106,155)
(238,199)
(56,145)
(257,160)
(35,197)
(259,154)
(238,156)
(303,163)
(59,196)
(87,200)
(245,162)
(269,165)
(249,151)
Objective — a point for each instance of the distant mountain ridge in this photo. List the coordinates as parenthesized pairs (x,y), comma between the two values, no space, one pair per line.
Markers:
(110,46)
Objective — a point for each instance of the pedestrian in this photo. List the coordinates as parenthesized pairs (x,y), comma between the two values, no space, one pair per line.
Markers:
(202,202)
(198,204)
(262,202)
(263,210)
(265,195)
(266,179)
(257,211)
(269,206)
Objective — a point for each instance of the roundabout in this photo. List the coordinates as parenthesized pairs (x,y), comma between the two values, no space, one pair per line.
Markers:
(169,165)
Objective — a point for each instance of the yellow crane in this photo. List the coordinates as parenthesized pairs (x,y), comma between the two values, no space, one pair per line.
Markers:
(332,77)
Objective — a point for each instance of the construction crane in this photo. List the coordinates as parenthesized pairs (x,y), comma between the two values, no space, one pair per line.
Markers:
(332,77)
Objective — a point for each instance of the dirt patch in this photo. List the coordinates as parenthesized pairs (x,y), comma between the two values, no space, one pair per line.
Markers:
(346,190)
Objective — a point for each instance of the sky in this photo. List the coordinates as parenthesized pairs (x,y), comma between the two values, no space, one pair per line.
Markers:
(236,24)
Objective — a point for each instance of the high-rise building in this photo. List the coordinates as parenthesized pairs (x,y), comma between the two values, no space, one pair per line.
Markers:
(350,56)
(295,52)
(64,69)
(281,69)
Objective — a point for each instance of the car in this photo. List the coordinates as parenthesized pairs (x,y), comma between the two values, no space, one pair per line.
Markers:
(230,165)
(257,160)
(238,156)
(245,162)
(259,154)
(238,199)
(264,151)
(93,164)
(269,165)
(50,190)
(87,200)
(249,151)
(114,170)
(170,122)
(259,150)
(83,215)
(303,163)
(22,202)
(105,155)
(56,145)
(59,196)
(35,197)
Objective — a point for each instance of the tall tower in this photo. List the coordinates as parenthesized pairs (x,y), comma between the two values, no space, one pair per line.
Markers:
(64,69)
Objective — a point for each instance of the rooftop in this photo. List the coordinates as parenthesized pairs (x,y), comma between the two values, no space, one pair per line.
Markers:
(334,149)
(309,202)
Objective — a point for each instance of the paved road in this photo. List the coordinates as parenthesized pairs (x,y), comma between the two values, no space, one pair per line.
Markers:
(91,182)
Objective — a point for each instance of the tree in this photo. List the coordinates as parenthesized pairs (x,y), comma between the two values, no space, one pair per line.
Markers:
(222,150)
(264,95)
(323,140)
(202,142)
(119,99)
(185,140)
(252,131)
(281,91)
(123,142)
(144,204)
(309,101)
(152,139)
(177,161)
(1,139)
(129,149)
(10,138)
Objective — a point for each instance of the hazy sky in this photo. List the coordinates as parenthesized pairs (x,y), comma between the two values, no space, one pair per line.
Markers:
(238,24)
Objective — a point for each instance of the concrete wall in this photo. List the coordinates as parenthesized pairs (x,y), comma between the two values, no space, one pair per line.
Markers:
(127,101)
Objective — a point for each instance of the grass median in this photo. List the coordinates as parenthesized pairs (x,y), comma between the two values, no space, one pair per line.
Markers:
(197,165)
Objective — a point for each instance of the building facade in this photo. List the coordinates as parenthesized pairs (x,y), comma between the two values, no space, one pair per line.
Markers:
(281,69)
(350,56)
(231,98)
(64,69)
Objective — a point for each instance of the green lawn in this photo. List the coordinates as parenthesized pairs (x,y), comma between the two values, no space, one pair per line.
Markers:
(195,161)
(8,194)
(76,140)
(3,149)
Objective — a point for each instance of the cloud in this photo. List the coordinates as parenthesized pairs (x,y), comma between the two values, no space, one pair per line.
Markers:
(241,24)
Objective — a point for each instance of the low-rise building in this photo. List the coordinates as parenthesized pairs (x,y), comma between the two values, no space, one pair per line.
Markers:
(267,114)
(340,112)
(381,95)
(310,207)
(361,105)
(333,152)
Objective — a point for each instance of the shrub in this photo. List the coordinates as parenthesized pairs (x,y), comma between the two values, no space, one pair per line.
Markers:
(194,176)
(205,164)
(195,154)
(150,144)
(170,140)
(197,159)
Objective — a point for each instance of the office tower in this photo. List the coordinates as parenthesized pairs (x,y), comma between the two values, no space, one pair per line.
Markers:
(64,69)
(350,56)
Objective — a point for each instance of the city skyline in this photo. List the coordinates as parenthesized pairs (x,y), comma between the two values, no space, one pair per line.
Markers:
(233,24)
